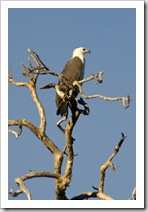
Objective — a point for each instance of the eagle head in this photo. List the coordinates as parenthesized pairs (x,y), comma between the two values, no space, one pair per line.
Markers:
(79,52)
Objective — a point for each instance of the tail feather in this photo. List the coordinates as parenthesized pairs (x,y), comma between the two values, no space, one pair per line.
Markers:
(62,106)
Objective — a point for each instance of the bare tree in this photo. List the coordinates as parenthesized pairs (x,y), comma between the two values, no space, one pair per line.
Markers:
(61,180)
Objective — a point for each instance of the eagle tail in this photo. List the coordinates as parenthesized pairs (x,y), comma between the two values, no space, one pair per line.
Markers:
(62,106)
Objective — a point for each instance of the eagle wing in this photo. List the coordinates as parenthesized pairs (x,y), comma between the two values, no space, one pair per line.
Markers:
(73,70)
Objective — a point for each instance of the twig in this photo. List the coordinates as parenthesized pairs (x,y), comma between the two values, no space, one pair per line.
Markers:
(15,193)
(19,84)
(33,57)
(47,142)
(20,182)
(85,195)
(100,191)
(31,174)
(17,134)
(25,72)
(34,96)
(134,194)
(109,163)
(103,196)
(47,71)
(90,194)
(123,99)
(133,197)
(97,76)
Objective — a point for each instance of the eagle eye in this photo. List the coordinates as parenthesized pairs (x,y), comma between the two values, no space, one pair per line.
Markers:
(83,49)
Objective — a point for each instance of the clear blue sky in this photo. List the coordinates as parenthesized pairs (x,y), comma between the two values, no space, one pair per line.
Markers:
(54,33)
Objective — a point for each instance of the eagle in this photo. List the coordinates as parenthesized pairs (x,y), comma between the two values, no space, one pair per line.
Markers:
(73,71)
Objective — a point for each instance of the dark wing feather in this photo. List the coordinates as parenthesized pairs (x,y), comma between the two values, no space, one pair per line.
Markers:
(72,71)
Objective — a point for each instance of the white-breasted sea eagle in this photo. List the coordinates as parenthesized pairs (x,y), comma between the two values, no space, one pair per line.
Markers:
(73,70)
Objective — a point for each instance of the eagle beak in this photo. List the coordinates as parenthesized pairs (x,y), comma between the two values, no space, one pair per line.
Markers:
(88,51)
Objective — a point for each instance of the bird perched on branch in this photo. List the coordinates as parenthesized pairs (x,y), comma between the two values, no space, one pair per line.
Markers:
(66,93)
(73,70)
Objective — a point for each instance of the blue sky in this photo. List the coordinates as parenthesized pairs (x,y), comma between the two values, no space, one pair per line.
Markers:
(110,34)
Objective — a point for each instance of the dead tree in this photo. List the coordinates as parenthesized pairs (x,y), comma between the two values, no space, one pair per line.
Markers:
(61,180)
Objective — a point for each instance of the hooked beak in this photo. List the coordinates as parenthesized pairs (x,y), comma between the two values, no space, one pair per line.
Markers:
(88,51)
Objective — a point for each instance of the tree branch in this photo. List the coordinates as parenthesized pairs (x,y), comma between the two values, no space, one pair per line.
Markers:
(20,182)
(65,179)
(17,134)
(97,76)
(44,68)
(133,197)
(11,80)
(32,87)
(100,191)
(85,195)
(109,163)
(103,196)
(15,193)
(90,194)
(47,142)
(123,99)
(40,108)
(39,132)
(31,174)
(69,145)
